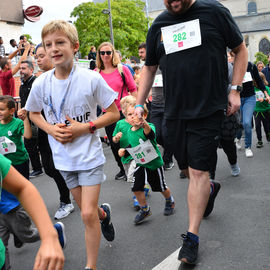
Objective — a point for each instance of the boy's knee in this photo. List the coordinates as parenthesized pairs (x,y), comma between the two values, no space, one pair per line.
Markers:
(89,215)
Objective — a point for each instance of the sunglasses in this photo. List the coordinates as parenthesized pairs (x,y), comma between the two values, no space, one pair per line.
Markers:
(107,52)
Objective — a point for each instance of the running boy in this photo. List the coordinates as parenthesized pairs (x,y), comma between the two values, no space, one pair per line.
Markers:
(149,163)
(69,97)
(50,254)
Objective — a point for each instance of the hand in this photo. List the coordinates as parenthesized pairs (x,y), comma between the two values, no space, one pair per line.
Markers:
(121,152)
(22,114)
(76,129)
(27,45)
(234,102)
(268,99)
(60,133)
(50,255)
(260,99)
(139,111)
(117,137)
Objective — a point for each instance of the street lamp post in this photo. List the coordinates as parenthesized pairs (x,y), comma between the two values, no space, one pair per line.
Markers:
(109,12)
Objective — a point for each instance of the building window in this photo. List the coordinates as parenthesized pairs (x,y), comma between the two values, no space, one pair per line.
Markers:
(264,46)
(252,8)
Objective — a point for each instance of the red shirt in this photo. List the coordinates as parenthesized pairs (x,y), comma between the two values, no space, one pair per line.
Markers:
(7,83)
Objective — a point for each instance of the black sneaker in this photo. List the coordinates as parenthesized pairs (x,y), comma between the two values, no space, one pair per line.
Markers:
(169,208)
(142,216)
(106,224)
(212,197)
(259,144)
(182,175)
(17,242)
(189,251)
(168,166)
(36,173)
(121,176)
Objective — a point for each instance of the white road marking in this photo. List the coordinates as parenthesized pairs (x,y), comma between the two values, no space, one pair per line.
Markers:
(171,262)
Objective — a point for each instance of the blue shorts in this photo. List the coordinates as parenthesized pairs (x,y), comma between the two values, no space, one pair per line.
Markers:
(90,177)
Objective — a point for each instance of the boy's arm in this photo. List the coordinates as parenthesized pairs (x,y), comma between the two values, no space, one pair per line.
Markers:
(57,131)
(50,252)
(27,128)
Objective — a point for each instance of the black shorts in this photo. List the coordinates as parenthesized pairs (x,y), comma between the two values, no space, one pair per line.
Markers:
(195,140)
(155,178)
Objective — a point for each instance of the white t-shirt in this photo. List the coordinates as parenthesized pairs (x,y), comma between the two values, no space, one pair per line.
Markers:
(87,89)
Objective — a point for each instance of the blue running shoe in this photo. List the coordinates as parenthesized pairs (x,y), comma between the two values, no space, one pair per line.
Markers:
(136,204)
(142,216)
(60,228)
(147,190)
(107,228)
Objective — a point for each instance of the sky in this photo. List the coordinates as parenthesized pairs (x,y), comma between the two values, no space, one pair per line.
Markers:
(52,10)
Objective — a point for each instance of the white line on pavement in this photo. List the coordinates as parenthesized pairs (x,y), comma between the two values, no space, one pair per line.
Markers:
(170,262)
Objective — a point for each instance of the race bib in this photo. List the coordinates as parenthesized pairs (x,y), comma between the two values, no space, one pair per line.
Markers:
(7,146)
(181,36)
(143,153)
(259,95)
(247,77)
(158,82)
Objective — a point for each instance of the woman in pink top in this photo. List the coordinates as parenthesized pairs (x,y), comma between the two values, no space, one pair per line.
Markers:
(107,65)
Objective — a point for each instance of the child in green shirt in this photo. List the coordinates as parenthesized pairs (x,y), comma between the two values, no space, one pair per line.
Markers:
(261,112)
(144,150)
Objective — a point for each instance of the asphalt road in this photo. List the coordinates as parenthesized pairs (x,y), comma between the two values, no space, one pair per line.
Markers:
(235,236)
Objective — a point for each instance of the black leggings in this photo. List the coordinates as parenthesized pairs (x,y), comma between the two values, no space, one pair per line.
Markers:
(49,168)
(115,147)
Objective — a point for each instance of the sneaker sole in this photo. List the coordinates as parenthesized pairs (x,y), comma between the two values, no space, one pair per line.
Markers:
(56,218)
(31,176)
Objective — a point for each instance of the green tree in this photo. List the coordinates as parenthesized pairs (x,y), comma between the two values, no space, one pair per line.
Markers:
(129,25)
(261,57)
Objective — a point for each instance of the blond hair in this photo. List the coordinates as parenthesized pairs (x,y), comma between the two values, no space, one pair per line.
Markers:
(60,25)
(127,101)
(115,57)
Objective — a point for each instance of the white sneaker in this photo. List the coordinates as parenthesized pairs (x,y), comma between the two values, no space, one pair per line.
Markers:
(238,144)
(64,210)
(235,170)
(249,152)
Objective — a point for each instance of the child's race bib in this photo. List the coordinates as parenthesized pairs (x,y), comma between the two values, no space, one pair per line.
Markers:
(247,77)
(7,146)
(259,95)
(143,153)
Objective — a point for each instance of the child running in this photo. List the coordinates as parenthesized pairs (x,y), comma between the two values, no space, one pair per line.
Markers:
(261,112)
(144,150)
(13,218)
(50,255)
(69,96)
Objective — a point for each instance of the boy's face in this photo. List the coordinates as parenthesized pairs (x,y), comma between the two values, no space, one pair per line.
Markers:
(130,115)
(5,112)
(59,48)
(43,60)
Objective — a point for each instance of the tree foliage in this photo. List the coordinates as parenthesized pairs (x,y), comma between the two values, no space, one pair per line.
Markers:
(128,19)
(261,57)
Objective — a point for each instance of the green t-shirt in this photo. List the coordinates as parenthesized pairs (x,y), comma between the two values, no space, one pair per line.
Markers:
(133,139)
(14,131)
(123,126)
(4,168)
(262,106)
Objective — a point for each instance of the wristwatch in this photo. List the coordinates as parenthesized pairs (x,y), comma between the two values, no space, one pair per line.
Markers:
(92,127)
(238,88)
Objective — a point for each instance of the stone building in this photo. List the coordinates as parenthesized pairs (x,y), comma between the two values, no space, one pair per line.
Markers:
(252,17)
(11,20)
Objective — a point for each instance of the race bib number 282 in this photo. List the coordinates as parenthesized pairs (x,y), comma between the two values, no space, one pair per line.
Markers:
(181,36)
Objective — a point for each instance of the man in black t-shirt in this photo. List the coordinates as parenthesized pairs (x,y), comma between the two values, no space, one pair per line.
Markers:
(188,42)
